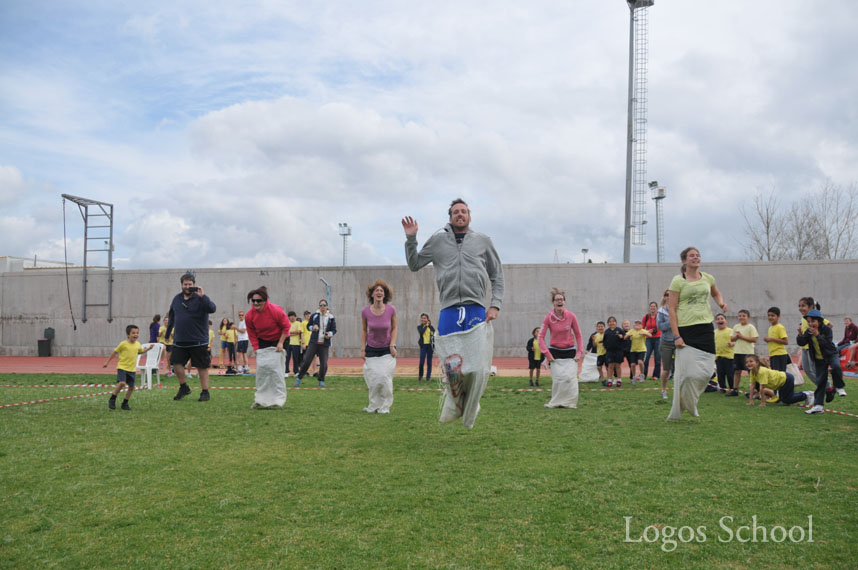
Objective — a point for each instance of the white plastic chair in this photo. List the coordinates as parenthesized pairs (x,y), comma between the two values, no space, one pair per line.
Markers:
(152,360)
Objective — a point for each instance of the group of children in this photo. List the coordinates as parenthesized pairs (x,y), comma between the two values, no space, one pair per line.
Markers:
(612,345)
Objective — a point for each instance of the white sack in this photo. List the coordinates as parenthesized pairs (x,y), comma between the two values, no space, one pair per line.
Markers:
(467,359)
(564,384)
(589,372)
(692,371)
(378,374)
(270,385)
(796,374)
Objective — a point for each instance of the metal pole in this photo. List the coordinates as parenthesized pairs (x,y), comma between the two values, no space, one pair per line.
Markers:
(627,233)
(85,212)
(110,271)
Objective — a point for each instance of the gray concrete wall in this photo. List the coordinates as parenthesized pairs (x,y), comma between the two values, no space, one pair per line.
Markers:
(33,300)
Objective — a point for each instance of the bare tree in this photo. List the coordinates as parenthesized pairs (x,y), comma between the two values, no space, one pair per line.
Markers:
(801,229)
(836,210)
(764,228)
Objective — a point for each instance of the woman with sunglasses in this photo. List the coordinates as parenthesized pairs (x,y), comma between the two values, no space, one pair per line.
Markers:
(323,327)
(267,328)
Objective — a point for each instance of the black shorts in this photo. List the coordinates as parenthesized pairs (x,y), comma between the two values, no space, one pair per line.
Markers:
(614,357)
(739,362)
(242,346)
(701,337)
(198,355)
(169,348)
(533,364)
(635,357)
(125,376)
(600,360)
(779,362)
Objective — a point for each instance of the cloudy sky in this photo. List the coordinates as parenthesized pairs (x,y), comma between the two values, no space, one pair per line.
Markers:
(241,133)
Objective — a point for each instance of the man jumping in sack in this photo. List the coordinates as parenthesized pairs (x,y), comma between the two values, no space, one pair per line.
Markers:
(465,263)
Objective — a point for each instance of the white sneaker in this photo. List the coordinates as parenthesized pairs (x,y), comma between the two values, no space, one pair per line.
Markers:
(815,410)
(841,392)
(809,399)
(664,395)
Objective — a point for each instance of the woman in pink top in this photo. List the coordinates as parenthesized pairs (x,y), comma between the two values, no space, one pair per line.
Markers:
(267,324)
(378,323)
(563,324)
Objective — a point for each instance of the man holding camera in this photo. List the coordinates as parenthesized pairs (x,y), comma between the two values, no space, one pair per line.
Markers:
(189,314)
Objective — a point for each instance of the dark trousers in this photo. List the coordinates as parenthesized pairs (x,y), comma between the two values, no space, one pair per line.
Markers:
(779,362)
(652,349)
(312,351)
(724,368)
(293,354)
(787,392)
(426,354)
(820,367)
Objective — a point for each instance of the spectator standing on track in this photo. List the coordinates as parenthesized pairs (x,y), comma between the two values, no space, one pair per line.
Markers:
(189,316)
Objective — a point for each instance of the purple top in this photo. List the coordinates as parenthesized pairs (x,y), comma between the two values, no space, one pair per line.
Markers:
(153,332)
(378,327)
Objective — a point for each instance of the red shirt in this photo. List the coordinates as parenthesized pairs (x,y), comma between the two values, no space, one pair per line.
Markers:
(267,324)
(648,323)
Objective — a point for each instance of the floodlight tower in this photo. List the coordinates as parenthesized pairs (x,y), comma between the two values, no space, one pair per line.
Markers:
(345,231)
(658,196)
(635,219)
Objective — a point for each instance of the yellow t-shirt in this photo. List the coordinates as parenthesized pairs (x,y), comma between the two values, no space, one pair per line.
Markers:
(128,355)
(211,338)
(777,331)
(638,340)
(743,346)
(768,378)
(537,352)
(693,307)
(722,338)
(427,337)
(295,339)
(230,335)
(222,332)
(306,332)
(161,332)
(600,348)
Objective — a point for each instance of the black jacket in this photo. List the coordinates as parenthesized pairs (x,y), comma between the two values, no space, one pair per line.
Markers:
(825,340)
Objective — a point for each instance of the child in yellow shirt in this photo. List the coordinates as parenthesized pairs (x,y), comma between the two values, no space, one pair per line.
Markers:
(744,336)
(723,352)
(126,368)
(778,340)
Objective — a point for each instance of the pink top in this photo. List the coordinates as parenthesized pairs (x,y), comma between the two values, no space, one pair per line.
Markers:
(268,324)
(561,331)
(379,327)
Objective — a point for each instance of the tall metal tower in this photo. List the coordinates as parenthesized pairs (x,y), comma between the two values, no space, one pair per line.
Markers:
(636,186)
(658,196)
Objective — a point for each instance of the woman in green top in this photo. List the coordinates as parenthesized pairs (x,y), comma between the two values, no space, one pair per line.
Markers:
(688,304)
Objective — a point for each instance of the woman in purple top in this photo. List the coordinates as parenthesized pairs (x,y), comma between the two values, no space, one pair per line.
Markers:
(378,323)
(154,327)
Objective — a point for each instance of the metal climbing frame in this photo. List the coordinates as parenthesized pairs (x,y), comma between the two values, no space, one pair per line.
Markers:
(94,223)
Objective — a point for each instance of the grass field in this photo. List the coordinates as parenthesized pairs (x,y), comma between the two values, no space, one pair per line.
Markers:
(321,484)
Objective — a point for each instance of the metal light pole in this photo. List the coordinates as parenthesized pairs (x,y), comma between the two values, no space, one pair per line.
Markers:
(627,232)
(584,251)
(345,231)
(658,196)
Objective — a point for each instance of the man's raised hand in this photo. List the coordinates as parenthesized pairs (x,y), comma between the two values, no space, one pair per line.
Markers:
(409,224)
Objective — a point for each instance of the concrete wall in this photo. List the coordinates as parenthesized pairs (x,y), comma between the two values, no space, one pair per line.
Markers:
(33,300)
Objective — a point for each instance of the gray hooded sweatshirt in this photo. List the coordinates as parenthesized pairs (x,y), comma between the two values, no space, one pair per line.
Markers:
(462,271)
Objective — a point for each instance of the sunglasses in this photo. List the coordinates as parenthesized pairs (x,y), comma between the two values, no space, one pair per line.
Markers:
(323,305)
(257,300)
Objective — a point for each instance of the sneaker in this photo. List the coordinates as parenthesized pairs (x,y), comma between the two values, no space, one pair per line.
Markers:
(610,384)
(664,395)
(125,406)
(315,374)
(204,396)
(732,393)
(808,398)
(184,390)
(619,383)
(537,383)
(321,383)
(531,382)
(841,392)
(297,382)
(633,380)
(829,395)
(815,410)
(111,403)
(604,383)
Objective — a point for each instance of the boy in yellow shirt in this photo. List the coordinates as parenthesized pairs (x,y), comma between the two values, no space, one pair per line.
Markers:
(723,352)
(638,336)
(126,369)
(778,340)
(744,335)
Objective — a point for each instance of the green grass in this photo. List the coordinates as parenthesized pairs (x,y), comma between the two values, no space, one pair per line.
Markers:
(321,484)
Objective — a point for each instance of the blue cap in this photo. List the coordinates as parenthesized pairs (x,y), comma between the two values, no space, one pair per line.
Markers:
(814,313)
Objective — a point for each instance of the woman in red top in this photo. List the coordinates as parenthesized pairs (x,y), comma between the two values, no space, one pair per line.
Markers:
(267,324)
(652,341)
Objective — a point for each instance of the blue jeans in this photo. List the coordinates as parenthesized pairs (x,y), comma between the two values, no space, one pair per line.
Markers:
(426,353)
(652,349)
